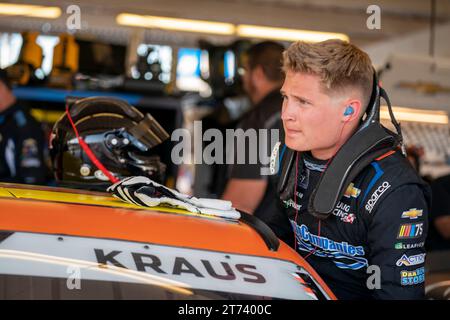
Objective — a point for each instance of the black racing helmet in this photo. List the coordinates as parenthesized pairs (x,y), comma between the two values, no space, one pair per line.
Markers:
(121,138)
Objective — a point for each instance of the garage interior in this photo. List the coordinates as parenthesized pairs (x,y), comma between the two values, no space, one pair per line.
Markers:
(153,55)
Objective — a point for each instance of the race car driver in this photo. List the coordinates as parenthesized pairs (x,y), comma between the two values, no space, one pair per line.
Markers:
(22,141)
(371,245)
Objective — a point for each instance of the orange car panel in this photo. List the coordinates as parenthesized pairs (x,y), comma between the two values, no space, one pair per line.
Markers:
(97,215)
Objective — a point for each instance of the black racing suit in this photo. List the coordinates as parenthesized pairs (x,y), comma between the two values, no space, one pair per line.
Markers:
(380,222)
(22,147)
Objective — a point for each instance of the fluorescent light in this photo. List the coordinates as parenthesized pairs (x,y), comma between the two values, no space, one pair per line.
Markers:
(415,115)
(250,31)
(29,10)
(221,28)
(175,24)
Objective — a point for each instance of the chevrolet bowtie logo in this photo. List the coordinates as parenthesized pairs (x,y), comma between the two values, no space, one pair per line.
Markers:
(352,191)
(412,213)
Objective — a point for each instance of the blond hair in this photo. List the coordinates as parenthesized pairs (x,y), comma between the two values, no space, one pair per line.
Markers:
(340,65)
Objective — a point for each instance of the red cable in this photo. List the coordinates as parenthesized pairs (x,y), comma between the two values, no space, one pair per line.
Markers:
(89,152)
(295,200)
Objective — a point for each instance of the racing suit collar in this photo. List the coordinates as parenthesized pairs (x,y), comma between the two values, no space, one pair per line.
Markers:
(313,163)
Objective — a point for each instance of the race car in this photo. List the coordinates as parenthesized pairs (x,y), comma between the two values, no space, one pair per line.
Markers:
(59,243)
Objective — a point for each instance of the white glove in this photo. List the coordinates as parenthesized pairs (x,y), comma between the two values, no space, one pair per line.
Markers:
(143,191)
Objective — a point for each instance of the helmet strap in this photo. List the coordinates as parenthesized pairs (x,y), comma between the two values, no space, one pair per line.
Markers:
(88,150)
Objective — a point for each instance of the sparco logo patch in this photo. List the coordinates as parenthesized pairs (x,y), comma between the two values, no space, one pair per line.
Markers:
(376,195)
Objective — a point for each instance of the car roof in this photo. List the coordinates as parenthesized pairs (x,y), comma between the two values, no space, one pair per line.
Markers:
(62,211)
(94,214)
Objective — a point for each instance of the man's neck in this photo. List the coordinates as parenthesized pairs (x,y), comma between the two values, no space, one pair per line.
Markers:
(328,153)
(324,154)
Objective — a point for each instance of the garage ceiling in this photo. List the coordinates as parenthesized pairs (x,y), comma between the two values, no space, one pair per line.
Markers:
(398,17)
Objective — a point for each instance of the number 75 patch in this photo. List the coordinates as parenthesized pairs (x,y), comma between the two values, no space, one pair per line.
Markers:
(410,230)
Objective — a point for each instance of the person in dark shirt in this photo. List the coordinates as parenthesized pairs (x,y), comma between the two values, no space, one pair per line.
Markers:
(371,244)
(22,141)
(439,233)
(247,188)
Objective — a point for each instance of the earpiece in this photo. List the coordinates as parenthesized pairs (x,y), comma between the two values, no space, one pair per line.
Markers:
(348,111)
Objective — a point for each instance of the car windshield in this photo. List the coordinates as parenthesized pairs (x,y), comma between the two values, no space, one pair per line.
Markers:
(43,266)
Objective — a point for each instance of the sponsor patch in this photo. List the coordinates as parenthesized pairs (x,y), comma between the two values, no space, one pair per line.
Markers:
(407,246)
(342,212)
(291,203)
(410,278)
(349,218)
(411,260)
(343,254)
(376,195)
(274,165)
(410,230)
(314,166)
(352,192)
(304,180)
(412,213)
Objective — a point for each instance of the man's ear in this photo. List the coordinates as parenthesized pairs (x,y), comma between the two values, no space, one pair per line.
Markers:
(352,110)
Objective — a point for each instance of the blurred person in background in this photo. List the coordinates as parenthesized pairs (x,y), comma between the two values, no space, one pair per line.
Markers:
(414,154)
(247,189)
(22,141)
(439,232)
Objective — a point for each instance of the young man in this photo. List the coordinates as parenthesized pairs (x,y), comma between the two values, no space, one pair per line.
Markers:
(380,224)
(22,141)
